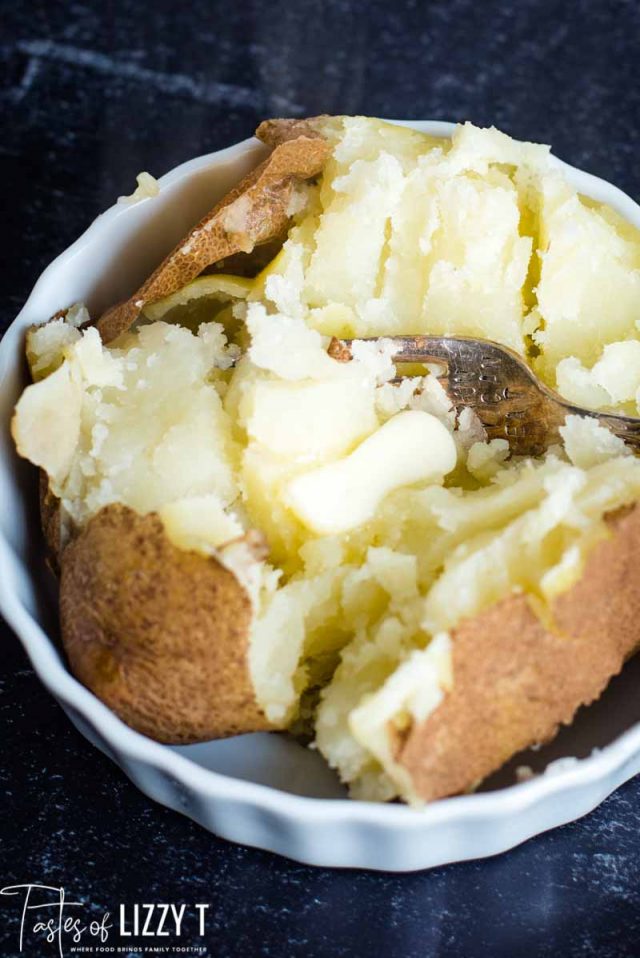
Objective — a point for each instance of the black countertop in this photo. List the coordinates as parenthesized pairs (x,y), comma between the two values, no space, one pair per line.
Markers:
(92,94)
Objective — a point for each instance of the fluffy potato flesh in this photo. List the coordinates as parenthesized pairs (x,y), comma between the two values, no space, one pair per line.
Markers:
(481,236)
(245,424)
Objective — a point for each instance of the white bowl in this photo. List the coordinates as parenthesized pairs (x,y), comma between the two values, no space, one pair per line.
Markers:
(266,790)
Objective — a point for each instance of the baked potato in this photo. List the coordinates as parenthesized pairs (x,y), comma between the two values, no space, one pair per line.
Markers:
(252,534)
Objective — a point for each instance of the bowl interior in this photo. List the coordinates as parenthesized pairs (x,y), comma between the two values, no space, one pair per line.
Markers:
(106,264)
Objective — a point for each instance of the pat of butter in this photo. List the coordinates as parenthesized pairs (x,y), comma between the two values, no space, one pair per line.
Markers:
(411,447)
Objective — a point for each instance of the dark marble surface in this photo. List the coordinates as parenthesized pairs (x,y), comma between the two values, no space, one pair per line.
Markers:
(91,94)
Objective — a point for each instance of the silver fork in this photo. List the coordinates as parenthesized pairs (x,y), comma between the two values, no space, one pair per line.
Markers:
(497,384)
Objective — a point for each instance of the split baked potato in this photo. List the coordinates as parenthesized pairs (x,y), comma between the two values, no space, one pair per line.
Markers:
(252,534)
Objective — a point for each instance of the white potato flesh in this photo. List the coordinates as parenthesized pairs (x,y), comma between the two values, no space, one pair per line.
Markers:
(352,233)
(589,289)
(46,424)
(151,428)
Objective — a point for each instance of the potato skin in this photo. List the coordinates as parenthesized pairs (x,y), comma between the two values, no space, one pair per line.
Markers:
(517,680)
(265,194)
(161,635)
(51,523)
(276,131)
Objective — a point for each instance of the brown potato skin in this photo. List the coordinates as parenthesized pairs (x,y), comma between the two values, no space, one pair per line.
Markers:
(51,523)
(276,131)
(515,681)
(266,193)
(160,634)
